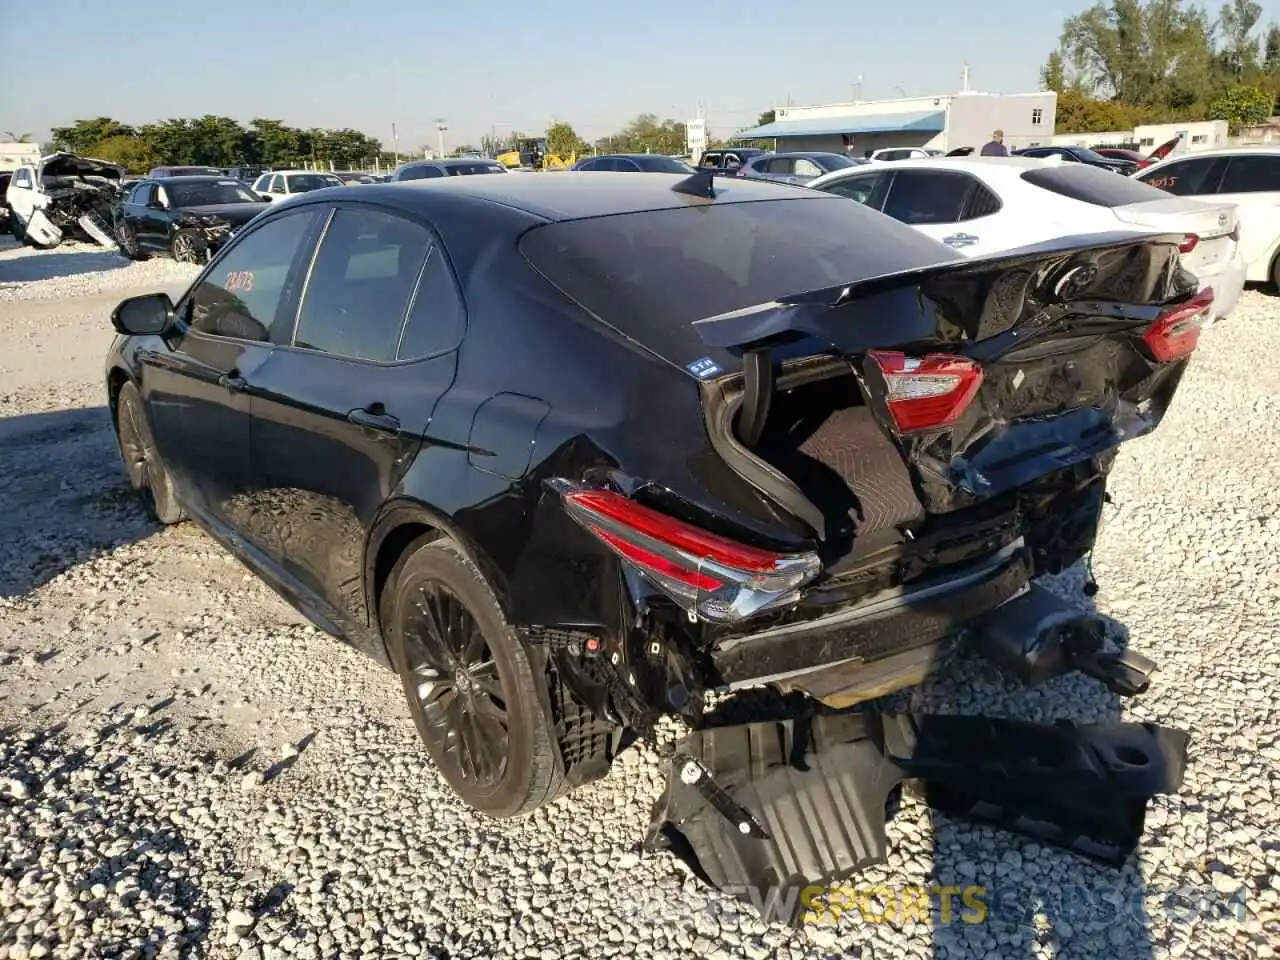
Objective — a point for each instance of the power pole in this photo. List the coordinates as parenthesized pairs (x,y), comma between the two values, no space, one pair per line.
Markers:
(395,142)
(441,127)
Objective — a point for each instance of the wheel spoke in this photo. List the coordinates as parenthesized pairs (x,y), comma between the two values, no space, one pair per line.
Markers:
(485,678)
(490,743)
(474,649)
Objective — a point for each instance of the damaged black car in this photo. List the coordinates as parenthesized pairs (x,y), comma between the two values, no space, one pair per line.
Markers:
(574,453)
(187,218)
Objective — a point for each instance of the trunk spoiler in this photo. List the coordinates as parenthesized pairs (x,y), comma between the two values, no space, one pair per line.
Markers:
(803,313)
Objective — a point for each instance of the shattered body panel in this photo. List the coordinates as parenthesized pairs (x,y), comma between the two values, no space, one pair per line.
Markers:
(773,812)
(73,197)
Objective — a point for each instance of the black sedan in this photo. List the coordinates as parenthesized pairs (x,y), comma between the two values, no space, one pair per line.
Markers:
(188,218)
(1079,155)
(633,163)
(569,452)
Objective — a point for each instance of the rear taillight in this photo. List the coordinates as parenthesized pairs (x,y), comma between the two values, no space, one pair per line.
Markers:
(1188,243)
(709,576)
(1177,331)
(926,393)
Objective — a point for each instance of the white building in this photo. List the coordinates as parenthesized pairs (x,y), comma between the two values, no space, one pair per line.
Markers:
(14,155)
(965,119)
(1196,135)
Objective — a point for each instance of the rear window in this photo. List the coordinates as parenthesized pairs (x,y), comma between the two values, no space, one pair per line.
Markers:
(680,265)
(468,169)
(1102,188)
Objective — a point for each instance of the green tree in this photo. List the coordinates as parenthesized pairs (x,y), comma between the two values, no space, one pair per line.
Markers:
(133,153)
(276,144)
(83,134)
(769,116)
(1271,50)
(1236,21)
(1053,75)
(1242,106)
(563,140)
(1077,113)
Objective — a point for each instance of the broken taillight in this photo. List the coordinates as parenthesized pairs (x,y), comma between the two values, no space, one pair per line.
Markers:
(706,574)
(1188,243)
(926,393)
(1176,332)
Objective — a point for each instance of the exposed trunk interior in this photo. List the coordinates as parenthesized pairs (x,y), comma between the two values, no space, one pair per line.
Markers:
(818,432)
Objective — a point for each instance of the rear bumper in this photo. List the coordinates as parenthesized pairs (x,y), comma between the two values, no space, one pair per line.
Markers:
(888,624)
(1227,281)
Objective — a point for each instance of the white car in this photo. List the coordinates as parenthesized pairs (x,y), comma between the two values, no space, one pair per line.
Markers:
(282,184)
(903,153)
(1249,178)
(63,196)
(982,205)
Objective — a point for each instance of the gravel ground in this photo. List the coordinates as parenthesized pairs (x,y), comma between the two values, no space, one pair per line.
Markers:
(79,270)
(186,768)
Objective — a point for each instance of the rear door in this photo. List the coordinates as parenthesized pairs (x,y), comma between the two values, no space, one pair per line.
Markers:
(952,207)
(340,411)
(1252,183)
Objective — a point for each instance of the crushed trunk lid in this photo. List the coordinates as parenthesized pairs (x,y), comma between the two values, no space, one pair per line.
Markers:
(63,164)
(777,812)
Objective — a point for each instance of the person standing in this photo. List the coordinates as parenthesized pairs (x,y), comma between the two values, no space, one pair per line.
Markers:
(996,147)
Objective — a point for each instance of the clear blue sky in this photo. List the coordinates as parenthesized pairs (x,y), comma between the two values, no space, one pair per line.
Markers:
(503,64)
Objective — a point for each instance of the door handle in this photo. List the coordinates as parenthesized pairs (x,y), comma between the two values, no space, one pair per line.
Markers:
(233,381)
(375,417)
(960,240)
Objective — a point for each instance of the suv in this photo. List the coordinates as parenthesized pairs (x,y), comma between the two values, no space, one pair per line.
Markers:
(156,172)
(730,160)
(452,167)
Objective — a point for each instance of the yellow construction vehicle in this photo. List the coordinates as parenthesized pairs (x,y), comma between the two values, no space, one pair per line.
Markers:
(532,152)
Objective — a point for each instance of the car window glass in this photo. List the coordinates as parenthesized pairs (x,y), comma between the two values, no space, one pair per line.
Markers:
(22,178)
(142,195)
(277,184)
(1251,174)
(361,281)
(731,162)
(590,165)
(805,167)
(261,183)
(1183,178)
(437,319)
(162,196)
(241,295)
(920,196)
(855,188)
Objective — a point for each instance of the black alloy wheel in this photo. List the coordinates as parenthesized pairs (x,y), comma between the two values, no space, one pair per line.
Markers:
(147,475)
(477,693)
(188,248)
(458,688)
(127,238)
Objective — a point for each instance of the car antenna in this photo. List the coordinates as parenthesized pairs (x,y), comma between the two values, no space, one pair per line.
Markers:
(700,183)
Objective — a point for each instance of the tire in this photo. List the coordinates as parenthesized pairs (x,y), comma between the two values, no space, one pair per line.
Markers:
(487,725)
(147,475)
(17,229)
(187,246)
(1275,274)
(127,238)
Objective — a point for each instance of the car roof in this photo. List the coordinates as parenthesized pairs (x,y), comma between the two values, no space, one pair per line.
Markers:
(632,156)
(569,195)
(1010,166)
(807,153)
(1260,149)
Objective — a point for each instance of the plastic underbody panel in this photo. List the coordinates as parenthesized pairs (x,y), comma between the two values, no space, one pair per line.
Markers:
(772,811)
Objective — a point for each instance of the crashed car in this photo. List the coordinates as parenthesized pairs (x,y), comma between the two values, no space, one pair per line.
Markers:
(574,453)
(64,196)
(187,218)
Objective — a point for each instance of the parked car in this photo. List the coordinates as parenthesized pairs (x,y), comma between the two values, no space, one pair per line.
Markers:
(986,205)
(1120,153)
(903,153)
(1247,177)
(1077,155)
(520,439)
(729,160)
(156,173)
(796,168)
(64,196)
(632,163)
(187,218)
(282,184)
(5,177)
(433,169)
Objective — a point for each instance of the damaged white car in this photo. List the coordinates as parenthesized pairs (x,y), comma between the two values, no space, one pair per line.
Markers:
(64,196)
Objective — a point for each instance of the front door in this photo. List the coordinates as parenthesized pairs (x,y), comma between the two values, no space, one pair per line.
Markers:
(338,416)
(197,388)
(1252,183)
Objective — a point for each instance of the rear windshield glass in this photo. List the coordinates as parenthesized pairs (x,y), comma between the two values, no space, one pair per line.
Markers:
(680,265)
(466,169)
(1103,188)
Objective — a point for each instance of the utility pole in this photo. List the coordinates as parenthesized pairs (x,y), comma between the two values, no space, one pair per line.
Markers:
(395,142)
(441,127)
(857,89)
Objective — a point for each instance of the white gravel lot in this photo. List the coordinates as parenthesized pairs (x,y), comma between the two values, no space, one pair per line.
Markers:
(188,769)
(78,270)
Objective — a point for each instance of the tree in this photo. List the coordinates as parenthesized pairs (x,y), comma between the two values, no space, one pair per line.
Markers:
(276,144)
(1271,50)
(1242,106)
(83,134)
(133,153)
(646,134)
(1077,113)
(563,140)
(1053,75)
(769,116)
(1236,21)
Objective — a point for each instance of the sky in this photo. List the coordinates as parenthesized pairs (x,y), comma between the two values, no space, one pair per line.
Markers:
(505,65)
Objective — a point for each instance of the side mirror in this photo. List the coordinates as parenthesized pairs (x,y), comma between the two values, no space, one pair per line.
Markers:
(146,315)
